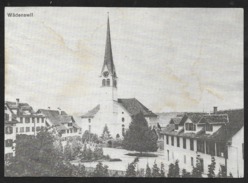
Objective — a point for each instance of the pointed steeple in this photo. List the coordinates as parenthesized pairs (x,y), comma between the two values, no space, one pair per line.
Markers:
(108,57)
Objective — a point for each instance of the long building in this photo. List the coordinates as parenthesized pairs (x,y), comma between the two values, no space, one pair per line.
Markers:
(219,134)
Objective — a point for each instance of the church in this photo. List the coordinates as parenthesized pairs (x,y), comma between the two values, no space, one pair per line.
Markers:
(114,112)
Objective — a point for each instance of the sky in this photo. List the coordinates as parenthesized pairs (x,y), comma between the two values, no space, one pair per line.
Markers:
(170,59)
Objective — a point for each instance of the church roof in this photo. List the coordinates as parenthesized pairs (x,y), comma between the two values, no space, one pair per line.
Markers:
(92,112)
(108,58)
(133,106)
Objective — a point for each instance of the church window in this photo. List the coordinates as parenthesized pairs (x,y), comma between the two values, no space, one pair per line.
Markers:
(89,120)
(103,82)
(123,119)
(108,82)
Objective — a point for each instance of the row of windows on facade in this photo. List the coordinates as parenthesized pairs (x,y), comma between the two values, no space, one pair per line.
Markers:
(69,131)
(185,160)
(106,82)
(192,127)
(26,119)
(208,149)
(122,119)
(28,129)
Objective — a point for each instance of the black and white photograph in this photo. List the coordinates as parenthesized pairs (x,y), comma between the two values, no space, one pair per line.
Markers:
(124,92)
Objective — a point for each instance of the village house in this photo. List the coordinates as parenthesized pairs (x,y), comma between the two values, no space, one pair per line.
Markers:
(114,112)
(28,122)
(219,134)
(60,123)
(9,135)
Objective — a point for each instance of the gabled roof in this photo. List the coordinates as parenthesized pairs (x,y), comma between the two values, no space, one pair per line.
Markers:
(176,120)
(223,134)
(92,112)
(23,108)
(194,117)
(133,106)
(55,117)
(214,119)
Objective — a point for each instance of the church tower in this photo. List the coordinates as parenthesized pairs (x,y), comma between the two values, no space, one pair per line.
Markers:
(108,73)
(108,85)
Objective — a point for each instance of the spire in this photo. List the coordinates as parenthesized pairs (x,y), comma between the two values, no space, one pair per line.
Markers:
(108,58)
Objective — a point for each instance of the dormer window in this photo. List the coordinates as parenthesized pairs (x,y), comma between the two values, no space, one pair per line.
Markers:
(176,127)
(209,127)
(69,124)
(190,127)
(103,82)
(108,82)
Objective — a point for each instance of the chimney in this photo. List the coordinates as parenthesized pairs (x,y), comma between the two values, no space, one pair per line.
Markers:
(17,102)
(215,110)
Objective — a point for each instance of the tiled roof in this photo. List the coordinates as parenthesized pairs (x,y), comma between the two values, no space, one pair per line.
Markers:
(176,120)
(24,108)
(133,106)
(236,122)
(215,119)
(54,116)
(194,117)
(91,113)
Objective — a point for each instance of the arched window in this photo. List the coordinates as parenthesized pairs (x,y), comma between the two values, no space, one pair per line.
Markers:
(123,119)
(103,82)
(108,82)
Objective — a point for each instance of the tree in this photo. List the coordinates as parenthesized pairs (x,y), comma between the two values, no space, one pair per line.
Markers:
(89,137)
(197,171)
(185,174)
(162,173)
(139,136)
(131,168)
(148,171)
(211,168)
(176,169)
(100,170)
(171,170)
(68,151)
(76,147)
(155,170)
(106,134)
(37,156)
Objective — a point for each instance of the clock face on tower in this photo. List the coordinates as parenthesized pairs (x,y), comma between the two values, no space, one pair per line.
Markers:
(105,74)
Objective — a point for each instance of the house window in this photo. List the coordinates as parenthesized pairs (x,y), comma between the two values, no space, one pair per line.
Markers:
(27,129)
(8,143)
(184,143)
(108,82)
(75,130)
(210,148)
(172,155)
(6,116)
(27,120)
(243,150)
(22,129)
(192,144)
(190,127)
(9,130)
(42,120)
(67,131)
(32,129)
(200,146)
(122,119)
(71,130)
(192,161)
(178,141)
(21,119)
(209,127)
(168,155)
(220,149)
(89,120)
(176,127)
(69,124)
(172,140)
(167,139)
(123,130)
(38,120)
(33,120)
(103,82)
(184,159)
(16,129)
(37,128)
